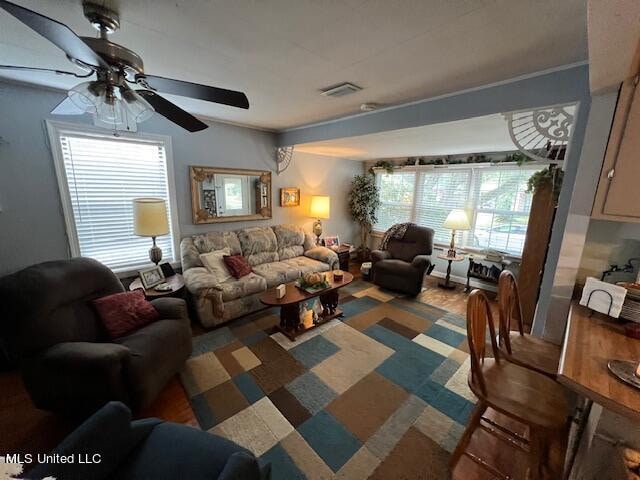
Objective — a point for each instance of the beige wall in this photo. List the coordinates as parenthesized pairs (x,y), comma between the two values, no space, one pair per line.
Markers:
(318,175)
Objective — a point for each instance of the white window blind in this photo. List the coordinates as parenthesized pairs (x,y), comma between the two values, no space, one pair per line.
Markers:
(440,191)
(494,197)
(502,208)
(396,196)
(103,175)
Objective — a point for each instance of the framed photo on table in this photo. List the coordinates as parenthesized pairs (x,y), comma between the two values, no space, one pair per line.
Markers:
(289,197)
(332,241)
(151,277)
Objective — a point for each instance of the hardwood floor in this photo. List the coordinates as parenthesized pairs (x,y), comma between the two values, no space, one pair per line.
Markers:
(25,429)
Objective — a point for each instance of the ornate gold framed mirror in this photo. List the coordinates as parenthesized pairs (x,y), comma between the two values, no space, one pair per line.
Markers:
(229,194)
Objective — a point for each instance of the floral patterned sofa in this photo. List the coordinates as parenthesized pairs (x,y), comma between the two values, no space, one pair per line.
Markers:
(276,254)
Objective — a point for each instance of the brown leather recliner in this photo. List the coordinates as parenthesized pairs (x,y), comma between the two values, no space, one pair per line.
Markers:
(68,363)
(404,264)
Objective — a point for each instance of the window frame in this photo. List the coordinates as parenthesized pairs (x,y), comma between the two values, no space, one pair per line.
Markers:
(55,129)
(471,200)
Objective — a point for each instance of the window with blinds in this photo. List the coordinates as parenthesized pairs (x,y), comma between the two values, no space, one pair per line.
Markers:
(396,196)
(100,175)
(502,208)
(494,197)
(440,191)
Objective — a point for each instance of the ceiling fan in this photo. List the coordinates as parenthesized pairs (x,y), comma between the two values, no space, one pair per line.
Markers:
(122,93)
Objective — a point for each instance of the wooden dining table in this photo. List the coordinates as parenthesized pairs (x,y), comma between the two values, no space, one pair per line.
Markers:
(591,341)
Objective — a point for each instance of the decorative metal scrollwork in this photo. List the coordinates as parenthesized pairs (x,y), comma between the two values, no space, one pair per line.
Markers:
(283,158)
(543,133)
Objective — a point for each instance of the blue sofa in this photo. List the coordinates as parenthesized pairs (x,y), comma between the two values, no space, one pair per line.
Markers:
(147,449)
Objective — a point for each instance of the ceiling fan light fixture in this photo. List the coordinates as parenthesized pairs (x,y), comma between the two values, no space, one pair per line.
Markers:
(112,112)
(137,107)
(84,97)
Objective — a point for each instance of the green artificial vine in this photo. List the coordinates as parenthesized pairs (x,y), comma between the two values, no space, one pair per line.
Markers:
(387,165)
(551,175)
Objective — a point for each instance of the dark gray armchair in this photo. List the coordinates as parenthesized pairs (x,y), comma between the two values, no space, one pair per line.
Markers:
(404,264)
(148,449)
(68,363)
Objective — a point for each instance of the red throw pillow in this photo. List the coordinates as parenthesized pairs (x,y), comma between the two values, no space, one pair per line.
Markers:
(124,312)
(237,265)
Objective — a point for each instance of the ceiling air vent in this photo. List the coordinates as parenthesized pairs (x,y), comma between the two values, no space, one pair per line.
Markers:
(340,90)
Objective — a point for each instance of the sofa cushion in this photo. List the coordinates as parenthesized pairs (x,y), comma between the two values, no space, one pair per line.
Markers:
(290,241)
(214,263)
(395,268)
(124,312)
(309,241)
(276,273)
(417,241)
(211,241)
(306,265)
(259,245)
(242,287)
(192,247)
(237,265)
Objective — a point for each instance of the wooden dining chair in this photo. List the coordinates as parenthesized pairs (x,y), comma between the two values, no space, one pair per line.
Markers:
(521,394)
(519,347)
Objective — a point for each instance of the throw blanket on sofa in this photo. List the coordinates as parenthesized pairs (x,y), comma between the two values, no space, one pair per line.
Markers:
(396,232)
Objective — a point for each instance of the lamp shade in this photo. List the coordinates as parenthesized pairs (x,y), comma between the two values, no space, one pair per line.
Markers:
(457,220)
(150,217)
(320,206)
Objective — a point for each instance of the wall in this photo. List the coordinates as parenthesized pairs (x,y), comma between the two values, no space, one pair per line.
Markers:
(575,206)
(32,226)
(319,175)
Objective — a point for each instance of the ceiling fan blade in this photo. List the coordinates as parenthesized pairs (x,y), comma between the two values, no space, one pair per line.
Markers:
(67,107)
(57,33)
(195,90)
(36,69)
(172,112)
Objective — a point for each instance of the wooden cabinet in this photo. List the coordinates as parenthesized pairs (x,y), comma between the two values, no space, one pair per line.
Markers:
(619,185)
(534,253)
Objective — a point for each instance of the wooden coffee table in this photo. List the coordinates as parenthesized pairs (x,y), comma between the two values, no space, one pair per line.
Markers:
(290,324)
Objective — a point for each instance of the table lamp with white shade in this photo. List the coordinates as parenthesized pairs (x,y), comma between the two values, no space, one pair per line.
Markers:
(320,208)
(456,220)
(150,220)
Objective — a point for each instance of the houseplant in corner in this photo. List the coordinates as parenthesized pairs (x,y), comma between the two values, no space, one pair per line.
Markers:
(364,200)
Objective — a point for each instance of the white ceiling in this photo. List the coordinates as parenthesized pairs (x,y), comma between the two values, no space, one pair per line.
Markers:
(613,27)
(475,135)
(281,52)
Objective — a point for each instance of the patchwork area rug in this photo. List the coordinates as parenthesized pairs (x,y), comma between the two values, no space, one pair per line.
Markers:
(380,394)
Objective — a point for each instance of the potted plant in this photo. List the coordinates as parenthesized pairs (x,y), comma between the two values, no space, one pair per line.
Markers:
(551,175)
(364,200)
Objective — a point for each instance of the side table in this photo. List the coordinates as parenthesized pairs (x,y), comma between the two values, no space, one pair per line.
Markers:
(344,253)
(176,281)
(447,284)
